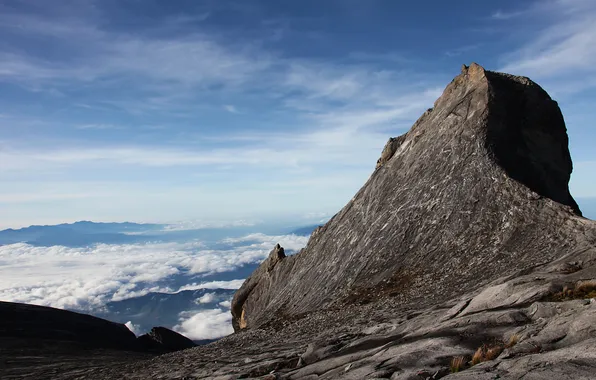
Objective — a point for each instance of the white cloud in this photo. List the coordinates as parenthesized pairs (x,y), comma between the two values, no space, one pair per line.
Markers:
(289,242)
(209,324)
(98,126)
(87,278)
(501,15)
(198,224)
(230,108)
(213,298)
(207,298)
(132,327)
(563,48)
(233,284)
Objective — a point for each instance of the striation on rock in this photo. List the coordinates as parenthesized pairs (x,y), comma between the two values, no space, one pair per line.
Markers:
(477,186)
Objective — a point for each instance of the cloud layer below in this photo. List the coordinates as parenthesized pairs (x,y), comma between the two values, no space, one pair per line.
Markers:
(87,278)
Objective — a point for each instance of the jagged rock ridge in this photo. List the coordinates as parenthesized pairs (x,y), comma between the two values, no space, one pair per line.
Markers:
(478,186)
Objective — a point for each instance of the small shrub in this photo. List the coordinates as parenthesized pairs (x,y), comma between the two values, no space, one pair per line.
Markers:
(586,289)
(486,353)
(513,340)
(457,364)
(478,356)
(581,290)
(493,353)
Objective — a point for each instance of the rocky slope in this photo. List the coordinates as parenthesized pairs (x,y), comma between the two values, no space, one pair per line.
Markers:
(478,186)
(463,257)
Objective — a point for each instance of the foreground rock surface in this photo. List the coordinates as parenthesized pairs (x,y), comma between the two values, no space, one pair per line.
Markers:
(464,240)
(555,340)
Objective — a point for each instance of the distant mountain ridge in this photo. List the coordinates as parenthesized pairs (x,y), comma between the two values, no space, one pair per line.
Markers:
(85,233)
(90,226)
(78,234)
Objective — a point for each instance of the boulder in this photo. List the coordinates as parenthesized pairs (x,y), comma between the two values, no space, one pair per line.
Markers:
(161,339)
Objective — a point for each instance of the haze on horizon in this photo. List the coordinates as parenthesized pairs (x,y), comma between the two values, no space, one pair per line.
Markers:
(227,110)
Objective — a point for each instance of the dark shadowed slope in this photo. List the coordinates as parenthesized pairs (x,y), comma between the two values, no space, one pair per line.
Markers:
(38,342)
(39,322)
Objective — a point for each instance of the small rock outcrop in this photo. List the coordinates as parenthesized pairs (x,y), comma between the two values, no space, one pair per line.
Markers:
(256,286)
(478,186)
(389,150)
(161,339)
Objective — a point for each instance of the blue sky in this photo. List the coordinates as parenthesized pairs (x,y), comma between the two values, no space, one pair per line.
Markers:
(158,111)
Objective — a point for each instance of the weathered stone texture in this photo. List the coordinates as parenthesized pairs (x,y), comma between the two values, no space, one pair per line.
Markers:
(478,186)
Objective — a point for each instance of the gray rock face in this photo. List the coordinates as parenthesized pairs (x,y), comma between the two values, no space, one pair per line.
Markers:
(257,284)
(477,187)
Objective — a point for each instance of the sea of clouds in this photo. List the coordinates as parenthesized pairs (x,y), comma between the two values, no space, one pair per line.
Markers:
(87,278)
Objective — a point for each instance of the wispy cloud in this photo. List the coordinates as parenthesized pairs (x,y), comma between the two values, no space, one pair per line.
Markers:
(332,136)
(562,49)
(233,284)
(99,53)
(230,108)
(307,118)
(501,15)
(173,63)
(461,50)
(98,126)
